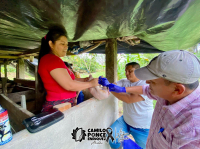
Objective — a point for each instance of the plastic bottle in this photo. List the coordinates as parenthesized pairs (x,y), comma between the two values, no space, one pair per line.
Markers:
(5,131)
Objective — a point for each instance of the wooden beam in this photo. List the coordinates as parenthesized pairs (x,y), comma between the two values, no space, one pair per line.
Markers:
(9,52)
(24,82)
(9,57)
(92,48)
(4,85)
(16,113)
(18,88)
(9,86)
(16,97)
(17,55)
(111,60)
(25,56)
(30,51)
(14,57)
(32,54)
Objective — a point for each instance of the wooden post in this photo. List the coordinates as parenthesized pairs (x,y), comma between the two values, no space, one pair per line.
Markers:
(23,101)
(0,70)
(5,69)
(39,91)
(4,85)
(111,60)
(20,69)
(17,70)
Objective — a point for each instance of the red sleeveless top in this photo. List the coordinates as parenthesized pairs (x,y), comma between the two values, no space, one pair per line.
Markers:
(54,90)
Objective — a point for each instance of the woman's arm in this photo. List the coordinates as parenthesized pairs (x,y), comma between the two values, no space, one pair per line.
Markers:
(82,79)
(62,77)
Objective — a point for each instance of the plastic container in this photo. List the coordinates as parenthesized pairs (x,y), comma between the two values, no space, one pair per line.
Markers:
(5,131)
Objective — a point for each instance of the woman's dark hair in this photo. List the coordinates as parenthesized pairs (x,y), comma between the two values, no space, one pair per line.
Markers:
(69,65)
(54,34)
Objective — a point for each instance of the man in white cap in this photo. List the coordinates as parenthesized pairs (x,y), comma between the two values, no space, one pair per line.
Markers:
(173,82)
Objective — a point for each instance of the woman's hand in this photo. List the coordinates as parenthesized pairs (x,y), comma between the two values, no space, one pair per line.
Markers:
(88,78)
(94,82)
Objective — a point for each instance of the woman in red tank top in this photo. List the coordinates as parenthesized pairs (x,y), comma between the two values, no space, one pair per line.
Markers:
(59,82)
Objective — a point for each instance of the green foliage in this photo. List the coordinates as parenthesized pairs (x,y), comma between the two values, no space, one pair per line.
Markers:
(123,59)
(2,69)
(95,75)
(95,62)
(154,103)
(84,62)
(9,68)
(121,69)
(197,55)
(29,77)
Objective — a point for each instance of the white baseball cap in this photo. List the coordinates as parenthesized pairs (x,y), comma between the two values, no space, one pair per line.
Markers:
(177,66)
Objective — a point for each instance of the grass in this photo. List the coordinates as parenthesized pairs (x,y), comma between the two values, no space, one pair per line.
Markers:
(29,77)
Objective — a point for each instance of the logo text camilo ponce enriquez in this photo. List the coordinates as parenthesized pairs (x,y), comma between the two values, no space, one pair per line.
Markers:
(93,134)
